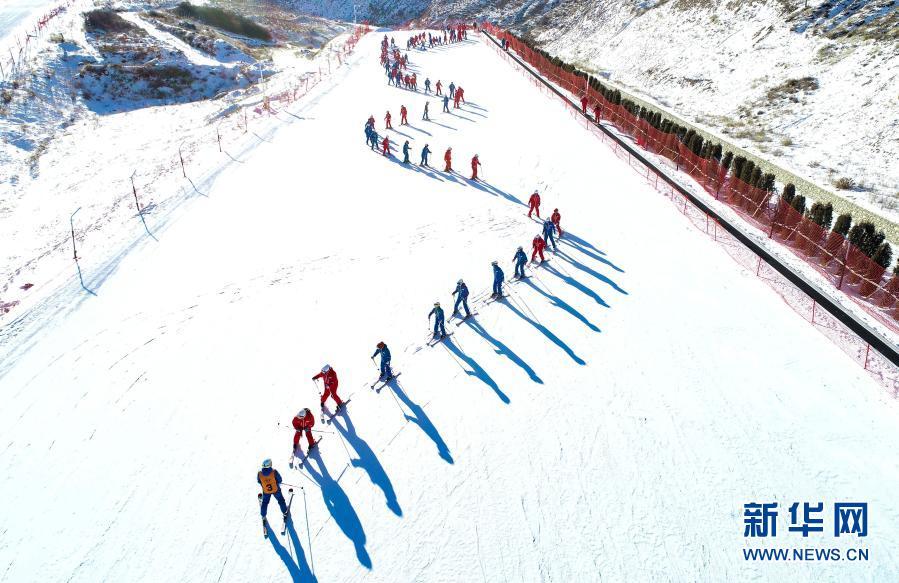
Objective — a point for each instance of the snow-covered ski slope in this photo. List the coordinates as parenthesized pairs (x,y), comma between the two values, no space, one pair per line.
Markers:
(606,423)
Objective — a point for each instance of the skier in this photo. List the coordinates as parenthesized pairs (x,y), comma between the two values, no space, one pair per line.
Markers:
(406,152)
(427,85)
(597,113)
(555,218)
(534,204)
(520,259)
(375,139)
(498,277)
(439,87)
(382,349)
(367,134)
(403,112)
(385,146)
(329,377)
(425,116)
(448,158)
(584,104)
(461,293)
(460,94)
(439,328)
(456,97)
(303,423)
(270,480)
(387,119)
(548,228)
(446,103)
(424,156)
(474,167)
(539,245)
(452,90)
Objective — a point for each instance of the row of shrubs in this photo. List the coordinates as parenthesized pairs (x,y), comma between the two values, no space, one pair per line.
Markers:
(863,235)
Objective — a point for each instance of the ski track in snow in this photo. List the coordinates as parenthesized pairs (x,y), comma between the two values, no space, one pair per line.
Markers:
(606,422)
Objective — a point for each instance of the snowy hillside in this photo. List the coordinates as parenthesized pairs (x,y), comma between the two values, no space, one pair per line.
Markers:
(606,422)
(810,86)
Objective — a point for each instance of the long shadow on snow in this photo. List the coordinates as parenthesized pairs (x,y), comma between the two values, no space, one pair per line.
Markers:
(460,116)
(476,369)
(442,125)
(420,130)
(339,506)
(559,303)
(407,136)
(501,348)
(576,285)
(546,332)
(368,461)
(472,112)
(299,569)
(586,251)
(426,170)
(421,419)
(575,263)
(490,189)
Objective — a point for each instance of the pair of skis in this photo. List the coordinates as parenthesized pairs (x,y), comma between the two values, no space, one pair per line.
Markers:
(297,461)
(287,516)
(383,382)
(327,416)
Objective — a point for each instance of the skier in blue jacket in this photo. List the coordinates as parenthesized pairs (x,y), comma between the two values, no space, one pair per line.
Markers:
(437,312)
(520,259)
(548,230)
(446,103)
(382,349)
(461,293)
(424,156)
(406,152)
(270,480)
(498,277)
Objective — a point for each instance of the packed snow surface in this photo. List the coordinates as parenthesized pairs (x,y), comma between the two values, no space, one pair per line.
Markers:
(606,422)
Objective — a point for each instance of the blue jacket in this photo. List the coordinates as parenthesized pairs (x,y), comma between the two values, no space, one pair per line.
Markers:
(425,151)
(548,228)
(452,89)
(462,290)
(437,313)
(267,472)
(520,257)
(445,100)
(384,352)
(406,149)
(498,274)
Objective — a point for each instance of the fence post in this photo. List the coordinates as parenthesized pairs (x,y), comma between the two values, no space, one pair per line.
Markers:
(867,354)
(183,171)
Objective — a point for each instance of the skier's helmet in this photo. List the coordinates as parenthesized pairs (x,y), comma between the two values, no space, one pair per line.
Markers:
(555,210)
(381,344)
(266,463)
(494,262)
(460,282)
(436,304)
(326,368)
(520,248)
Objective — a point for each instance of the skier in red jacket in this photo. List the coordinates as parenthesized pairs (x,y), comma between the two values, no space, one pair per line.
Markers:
(584,104)
(303,422)
(387,120)
(456,98)
(329,377)
(597,113)
(555,218)
(403,112)
(385,146)
(534,204)
(448,158)
(474,167)
(439,87)
(539,245)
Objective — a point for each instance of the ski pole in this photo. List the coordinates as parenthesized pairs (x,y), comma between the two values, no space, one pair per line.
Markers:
(308,535)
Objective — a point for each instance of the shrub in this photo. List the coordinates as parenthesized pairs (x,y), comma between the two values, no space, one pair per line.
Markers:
(789,193)
(844,183)
(821,214)
(841,227)
(883,255)
(798,204)
(224,20)
(727,160)
(866,237)
(106,20)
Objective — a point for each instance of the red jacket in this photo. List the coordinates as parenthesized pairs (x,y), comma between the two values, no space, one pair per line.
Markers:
(448,157)
(475,162)
(539,244)
(534,200)
(307,422)
(555,218)
(330,378)
(403,110)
